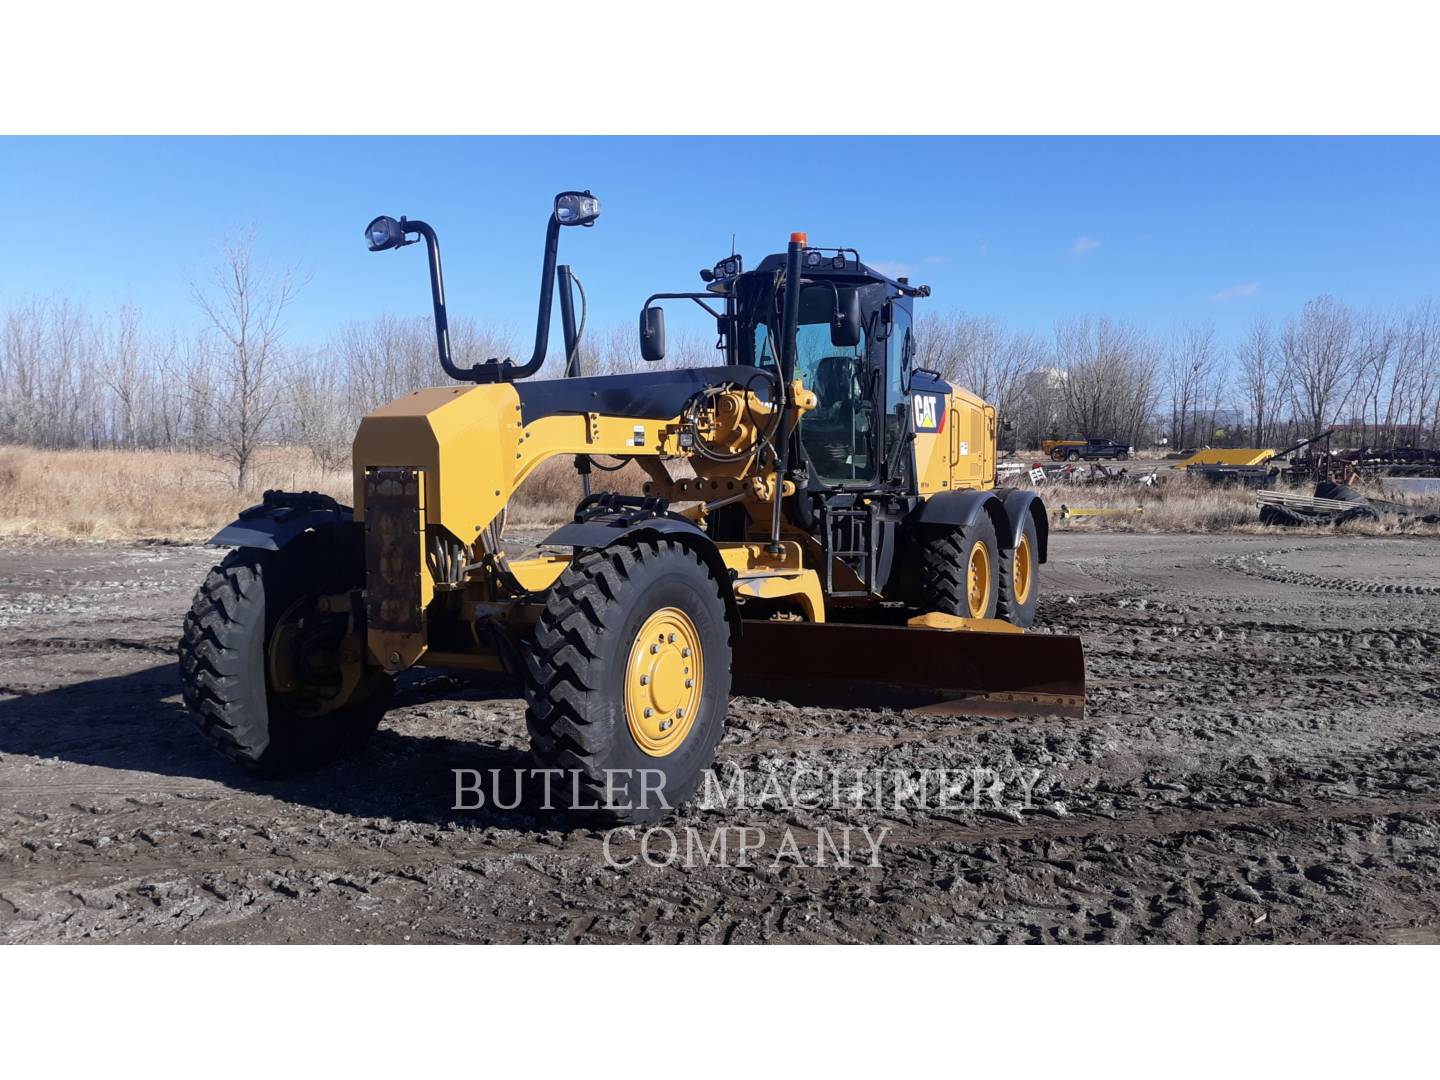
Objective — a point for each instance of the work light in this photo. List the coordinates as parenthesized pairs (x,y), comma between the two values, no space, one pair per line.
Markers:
(384,233)
(576,208)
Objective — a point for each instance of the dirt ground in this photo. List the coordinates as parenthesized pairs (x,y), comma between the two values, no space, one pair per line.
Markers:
(1260,762)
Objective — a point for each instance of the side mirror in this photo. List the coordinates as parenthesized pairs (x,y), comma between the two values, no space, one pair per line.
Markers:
(652,334)
(845,323)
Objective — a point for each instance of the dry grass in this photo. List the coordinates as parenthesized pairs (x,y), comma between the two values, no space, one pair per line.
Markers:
(102,494)
(115,495)
(1179,504)
(549,495)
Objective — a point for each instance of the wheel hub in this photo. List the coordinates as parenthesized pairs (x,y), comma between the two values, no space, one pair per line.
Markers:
(1023,570)
(978,580)
(664,681)
(315,659)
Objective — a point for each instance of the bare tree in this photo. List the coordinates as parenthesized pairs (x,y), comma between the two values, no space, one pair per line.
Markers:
(244,306)
(1192,365)
(317,417)
(1317,352)
(939,341)
(122,372)
(1374,354)
(979,353)
(1260,378)
(1414,397)
(1109,384)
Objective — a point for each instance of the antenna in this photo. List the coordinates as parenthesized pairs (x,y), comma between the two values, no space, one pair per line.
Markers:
(732,245)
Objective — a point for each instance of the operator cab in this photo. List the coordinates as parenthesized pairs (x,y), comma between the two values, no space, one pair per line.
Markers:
(854,349)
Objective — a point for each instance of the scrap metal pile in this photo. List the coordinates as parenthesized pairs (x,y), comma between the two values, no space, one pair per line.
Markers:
(1367,461)
(1332,504)
(1075,473)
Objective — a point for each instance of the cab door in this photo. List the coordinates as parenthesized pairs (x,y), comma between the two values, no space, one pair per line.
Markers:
(899,351)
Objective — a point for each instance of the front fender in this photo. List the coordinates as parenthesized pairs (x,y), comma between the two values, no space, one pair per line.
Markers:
(605,530)
(280,518)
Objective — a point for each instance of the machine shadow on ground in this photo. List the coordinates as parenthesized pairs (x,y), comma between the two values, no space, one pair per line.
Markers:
(136,723)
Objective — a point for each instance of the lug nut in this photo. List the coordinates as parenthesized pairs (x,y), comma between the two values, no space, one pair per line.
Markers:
(665,725)
(644,680)
(684,652)
(649,713)
(671,639)
(689,684)
(654,648)
(680,713)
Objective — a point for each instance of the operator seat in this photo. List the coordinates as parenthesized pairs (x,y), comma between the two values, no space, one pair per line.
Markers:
(833,433)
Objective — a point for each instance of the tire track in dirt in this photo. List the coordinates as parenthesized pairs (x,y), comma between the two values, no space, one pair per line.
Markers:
(1259,565)
(590,847)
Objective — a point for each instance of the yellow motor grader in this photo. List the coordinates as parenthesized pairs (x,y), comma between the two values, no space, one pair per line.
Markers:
(820,525)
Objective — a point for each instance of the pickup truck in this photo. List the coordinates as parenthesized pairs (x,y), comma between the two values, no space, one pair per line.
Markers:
(1090,450)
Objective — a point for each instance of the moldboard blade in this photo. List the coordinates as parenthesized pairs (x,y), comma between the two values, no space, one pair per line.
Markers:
(964,672)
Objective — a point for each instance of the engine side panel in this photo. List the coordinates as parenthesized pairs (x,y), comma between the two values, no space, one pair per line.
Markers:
(954,436)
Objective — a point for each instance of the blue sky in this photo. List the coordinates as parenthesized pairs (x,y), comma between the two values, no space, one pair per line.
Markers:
(1030,230)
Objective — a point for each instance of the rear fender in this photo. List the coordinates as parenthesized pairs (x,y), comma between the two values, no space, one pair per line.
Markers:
(1018,502)
(606,530)
(963,508)
(280,517)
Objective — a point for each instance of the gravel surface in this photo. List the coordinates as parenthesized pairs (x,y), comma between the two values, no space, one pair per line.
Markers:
(1260,762)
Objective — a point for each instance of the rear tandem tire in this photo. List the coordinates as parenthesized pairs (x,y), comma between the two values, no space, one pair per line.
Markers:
(592,684)
(942,556)
(224,650)
(1020,585)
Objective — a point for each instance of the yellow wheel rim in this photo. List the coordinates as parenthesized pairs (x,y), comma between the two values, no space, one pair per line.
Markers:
(977,577)
(1024,570)
(664,679)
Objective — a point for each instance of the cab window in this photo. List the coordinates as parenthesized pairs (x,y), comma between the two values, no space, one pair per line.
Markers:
(838,435)
(899,354)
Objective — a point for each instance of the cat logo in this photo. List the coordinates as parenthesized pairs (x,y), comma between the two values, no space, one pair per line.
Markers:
(929,415)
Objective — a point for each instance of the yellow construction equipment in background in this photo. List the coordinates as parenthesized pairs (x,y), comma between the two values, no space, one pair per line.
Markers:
(820,522)
(1242,456)
(1067,512)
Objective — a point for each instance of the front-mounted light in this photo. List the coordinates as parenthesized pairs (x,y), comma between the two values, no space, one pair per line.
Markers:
(576,208)
(385,233)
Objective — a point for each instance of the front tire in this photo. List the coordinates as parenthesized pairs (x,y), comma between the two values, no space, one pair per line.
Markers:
(229,642)
(629,680)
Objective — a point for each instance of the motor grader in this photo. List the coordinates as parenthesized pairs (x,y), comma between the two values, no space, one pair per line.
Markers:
(820,524)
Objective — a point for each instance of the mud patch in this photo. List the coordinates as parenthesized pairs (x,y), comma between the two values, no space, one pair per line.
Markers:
(1260,762)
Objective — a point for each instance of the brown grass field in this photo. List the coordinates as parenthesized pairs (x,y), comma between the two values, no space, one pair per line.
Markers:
(127,495)
(142,494)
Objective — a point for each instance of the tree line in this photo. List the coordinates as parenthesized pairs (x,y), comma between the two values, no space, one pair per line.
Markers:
(1374,376)
(73,378)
